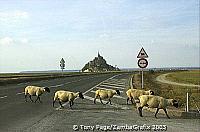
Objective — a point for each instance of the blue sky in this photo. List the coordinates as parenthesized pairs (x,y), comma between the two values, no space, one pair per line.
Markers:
(36,34)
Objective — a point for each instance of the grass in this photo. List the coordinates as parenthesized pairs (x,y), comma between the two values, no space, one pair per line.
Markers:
(170,91)
(192,77)
(12,78)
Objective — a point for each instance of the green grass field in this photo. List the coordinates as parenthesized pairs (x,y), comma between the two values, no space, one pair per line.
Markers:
(172,91)
(192,77)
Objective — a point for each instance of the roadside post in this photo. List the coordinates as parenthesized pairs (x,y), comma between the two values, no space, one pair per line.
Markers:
(142,62)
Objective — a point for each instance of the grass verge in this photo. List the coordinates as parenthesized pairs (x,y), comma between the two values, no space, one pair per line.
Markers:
(171,91)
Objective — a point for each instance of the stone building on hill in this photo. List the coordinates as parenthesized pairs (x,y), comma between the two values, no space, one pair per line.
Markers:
(98,64)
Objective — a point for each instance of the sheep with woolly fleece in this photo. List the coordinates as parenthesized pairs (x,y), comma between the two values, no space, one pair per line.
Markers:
(105,94)
(35,91)
(158,102)
(136,93)
(65,96)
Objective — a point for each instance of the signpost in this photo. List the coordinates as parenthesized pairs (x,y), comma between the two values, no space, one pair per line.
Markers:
(62,64)
(142,62)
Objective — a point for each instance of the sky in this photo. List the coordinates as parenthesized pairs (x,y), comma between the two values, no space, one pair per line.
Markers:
(36,34)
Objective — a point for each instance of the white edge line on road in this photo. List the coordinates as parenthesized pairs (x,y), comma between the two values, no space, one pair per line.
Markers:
(90,89)
(3,97)
(114,84)
(110,86)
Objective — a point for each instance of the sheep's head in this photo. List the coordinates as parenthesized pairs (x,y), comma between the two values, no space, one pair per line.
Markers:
(151,92)
(80,94)
(117,91)
(175,103)
(47,89)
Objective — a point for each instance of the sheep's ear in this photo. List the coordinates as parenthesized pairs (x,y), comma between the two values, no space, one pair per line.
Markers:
(47,89)
(118,92)
(175,103)
(80,94)
(151,92)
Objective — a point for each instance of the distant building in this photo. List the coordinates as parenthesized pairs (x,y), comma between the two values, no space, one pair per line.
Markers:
(98,64)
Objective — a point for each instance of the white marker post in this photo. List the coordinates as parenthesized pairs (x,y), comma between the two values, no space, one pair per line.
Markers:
(142,62)
(187,102)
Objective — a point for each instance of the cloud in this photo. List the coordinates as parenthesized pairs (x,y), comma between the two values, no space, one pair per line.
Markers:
(6,41)
(24,40)
(13,16)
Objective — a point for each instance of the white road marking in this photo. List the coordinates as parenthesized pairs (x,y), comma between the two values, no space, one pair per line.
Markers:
(115,96)
(114,84)
(3,97)
(110,86)
(113,104)
(56,85)
(90,89)
(20,93)
(121,82)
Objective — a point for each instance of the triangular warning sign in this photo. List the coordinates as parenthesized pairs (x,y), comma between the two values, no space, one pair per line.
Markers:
(142,54)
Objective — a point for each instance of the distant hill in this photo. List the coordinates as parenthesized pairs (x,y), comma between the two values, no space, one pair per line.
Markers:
(98,64)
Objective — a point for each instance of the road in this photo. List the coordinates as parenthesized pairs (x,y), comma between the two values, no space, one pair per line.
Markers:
(18,115)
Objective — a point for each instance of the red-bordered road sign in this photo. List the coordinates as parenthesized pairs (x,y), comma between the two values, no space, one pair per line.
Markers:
(142,63)
(142,54)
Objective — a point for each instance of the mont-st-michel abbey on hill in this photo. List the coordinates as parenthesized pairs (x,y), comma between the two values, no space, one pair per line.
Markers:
(98,64)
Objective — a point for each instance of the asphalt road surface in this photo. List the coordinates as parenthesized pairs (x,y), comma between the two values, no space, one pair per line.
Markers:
(18,115)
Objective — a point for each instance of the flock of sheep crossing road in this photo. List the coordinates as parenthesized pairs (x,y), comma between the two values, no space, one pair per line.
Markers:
(142,97)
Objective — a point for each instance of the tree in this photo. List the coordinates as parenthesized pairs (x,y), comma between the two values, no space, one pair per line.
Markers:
(62,64)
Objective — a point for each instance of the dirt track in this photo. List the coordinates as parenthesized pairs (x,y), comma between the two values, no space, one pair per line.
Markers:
(162,78)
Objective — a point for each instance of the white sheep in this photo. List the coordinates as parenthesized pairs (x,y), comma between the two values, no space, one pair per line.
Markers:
(65,96)
(105,94)
(136,93)
(158,102)
(35,91)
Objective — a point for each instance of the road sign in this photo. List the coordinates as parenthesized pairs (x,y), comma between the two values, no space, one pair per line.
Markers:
(142,54)
(142,63)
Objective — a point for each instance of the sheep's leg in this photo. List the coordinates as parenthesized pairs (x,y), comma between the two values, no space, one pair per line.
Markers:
(132,100)
(30,98)
(53,102)
(60,104)
(157,112)
(39,99)
(26,97)
(127,100)
(95,100)
(140,111)
(166,113)
(70,104)
(110,101)
(101,100)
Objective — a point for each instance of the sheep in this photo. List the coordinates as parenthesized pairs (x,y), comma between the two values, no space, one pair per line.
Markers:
(136,93)
(104,94)
(35,91)
(65,96)
(158,102)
